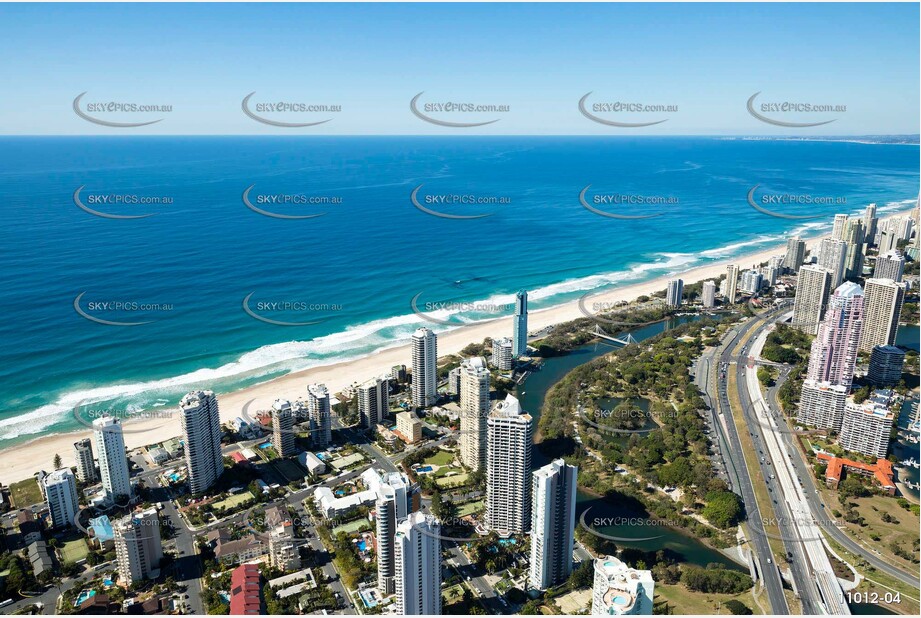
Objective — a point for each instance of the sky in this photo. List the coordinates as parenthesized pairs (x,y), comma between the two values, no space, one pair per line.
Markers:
(701,62)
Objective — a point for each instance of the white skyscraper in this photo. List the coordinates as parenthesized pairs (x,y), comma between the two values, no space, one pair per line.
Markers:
(508,468)
(833,255)
(840,226)
(201,428)
(674,292)
(374,401)
(812,288)
(391,506)
(417,559)
(821,404)
(882,307)
(137,546)
(113,462)
(619,590)
(283,428)
(474,408)
(425,375)
(83,455)
(502,353)
(708,294)
(866,428)
(520,327)
(319,412)
(553,524)
(751,281)
(890,266)
(796,253)
(732,283)
(61,495)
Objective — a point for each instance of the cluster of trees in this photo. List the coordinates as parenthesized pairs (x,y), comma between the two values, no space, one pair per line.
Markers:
(786,345)
(724,509)
(715,579)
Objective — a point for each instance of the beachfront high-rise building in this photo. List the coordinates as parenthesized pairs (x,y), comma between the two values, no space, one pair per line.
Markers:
(374,401)
(619,590)
(886,362)
(769,275)
(839,227)
(138,549)
(391,506)
(283,428)
(674,292)
(882,307)
(83,455)
(708,294)
(417,560)
(822,405)
(425,374)
(752,281)
(866,427)
(61,494)
(833,355)
(113,461)
(474,408)
(508,468)
(796,254)
(553,524)
(833,256)
(201,430)
(732,283)
(502,353)
(812,288)
(319,413)
(890,266)
(869,224)
(454,377)
(888,238)
(520,325)
(854,257)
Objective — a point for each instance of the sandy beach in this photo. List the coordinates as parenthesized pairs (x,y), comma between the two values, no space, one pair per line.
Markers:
(24,460)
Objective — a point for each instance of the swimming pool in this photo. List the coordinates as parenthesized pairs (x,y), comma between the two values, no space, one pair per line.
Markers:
(266,445)
(84,595)
(362,546)
(424,469)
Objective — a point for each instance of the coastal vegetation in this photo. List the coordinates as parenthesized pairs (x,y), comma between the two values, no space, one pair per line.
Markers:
(672,450)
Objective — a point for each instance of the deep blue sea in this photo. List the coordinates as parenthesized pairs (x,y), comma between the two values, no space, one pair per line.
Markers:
(370,253)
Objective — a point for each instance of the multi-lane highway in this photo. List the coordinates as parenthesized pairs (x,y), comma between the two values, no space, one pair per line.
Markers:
(793,506)
(739,475)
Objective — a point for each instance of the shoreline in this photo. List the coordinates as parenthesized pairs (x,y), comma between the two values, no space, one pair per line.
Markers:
(24,460)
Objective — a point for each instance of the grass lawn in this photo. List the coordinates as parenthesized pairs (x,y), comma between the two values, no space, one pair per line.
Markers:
(233,501)
(446,470)
(683,601)
(359,525)
(871,509)
(25,493)
(452,481)
(441,458)
(74,551)
(468,508)
(448,594)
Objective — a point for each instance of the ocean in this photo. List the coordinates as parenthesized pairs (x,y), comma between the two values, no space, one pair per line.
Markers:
(347,279)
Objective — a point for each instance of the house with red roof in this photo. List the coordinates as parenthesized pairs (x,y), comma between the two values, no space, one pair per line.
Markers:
(246,591)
